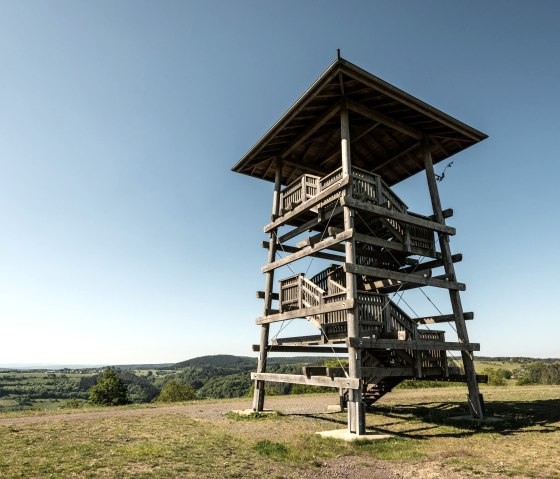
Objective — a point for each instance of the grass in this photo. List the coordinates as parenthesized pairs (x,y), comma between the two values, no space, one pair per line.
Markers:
(168,443)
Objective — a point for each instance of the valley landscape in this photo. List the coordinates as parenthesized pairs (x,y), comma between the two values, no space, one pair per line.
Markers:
(50,435)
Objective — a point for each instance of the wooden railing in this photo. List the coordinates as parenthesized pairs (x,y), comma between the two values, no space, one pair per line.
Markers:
(366,187)
(302,189)
(297,292)
(433,357)
(378,316)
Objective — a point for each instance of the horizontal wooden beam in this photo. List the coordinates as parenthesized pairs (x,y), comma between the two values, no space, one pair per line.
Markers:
(415,345)
(374,372)
(260,295)
(309,371)
(307,168)
(345,383)
(402,277)
(448,213)
(310,203)
(303,349)
(304,312)
(309,225)
(386,120)
(444,318)
(429,265)
(461,378)
(395,215)
(291,249)
(312,339)
(393,245)
(302,253)
(332,111)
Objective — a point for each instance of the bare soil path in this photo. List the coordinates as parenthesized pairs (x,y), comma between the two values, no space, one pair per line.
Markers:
(199,410)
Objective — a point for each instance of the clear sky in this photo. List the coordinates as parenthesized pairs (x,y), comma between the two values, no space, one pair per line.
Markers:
(125,237)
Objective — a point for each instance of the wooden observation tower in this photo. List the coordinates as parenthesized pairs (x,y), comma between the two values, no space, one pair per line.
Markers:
(333,158)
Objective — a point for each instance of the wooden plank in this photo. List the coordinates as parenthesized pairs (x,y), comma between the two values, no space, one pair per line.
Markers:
(304,349)
(415,345)
(403,277)
(462,378)
(405,218)
(345,235)
(392,245)
(345,383)
(312,339)
(310,203)
(386,120)
(309,225)
(396,157)
(291,249)
(448,213)
(261,294)
(332,111)
(302,313)
(307,168)
(309,371)
(428,265)
(444,318)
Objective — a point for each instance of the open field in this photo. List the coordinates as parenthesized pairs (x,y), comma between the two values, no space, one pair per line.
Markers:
(198,440)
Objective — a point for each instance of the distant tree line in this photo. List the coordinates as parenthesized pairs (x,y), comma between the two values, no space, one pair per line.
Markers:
(539,373)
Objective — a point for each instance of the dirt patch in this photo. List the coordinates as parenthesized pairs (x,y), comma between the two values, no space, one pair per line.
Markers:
(355,466)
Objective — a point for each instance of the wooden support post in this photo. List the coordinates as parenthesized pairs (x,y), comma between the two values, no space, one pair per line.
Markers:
(258,398)
(476,405)
(356,410)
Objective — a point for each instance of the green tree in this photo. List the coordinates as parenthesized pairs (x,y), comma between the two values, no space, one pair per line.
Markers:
(175,391)
(110,390)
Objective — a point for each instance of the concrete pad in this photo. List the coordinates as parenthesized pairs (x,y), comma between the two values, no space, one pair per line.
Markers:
(476,420)
(344,435)
(334,408)
(249,412)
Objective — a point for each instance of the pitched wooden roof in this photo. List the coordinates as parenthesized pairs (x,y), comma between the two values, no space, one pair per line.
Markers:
(387,126)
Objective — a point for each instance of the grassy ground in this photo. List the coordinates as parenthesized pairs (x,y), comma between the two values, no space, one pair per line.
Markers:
(178,443)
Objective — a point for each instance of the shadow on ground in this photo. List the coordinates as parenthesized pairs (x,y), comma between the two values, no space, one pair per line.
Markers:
(539,415)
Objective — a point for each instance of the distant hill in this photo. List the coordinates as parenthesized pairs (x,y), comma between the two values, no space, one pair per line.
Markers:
(219,361)
(243,363)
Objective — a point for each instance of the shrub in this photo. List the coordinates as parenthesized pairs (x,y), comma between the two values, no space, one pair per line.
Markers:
(495,377)
(73,404)
(175,391)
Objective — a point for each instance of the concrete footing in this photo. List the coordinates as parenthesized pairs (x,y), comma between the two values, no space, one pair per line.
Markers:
(248,412)
(344,435)
(334,408)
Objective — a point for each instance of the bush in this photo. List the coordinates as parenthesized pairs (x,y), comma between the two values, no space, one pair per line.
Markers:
(175,391)
(110,390)
(73,404)
(495,377)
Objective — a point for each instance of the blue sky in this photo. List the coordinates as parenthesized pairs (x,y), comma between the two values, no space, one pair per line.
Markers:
(124,235)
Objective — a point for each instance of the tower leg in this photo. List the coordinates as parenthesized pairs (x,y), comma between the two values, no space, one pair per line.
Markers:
(258,396)
(475,401)
(356,410)
(259,393)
